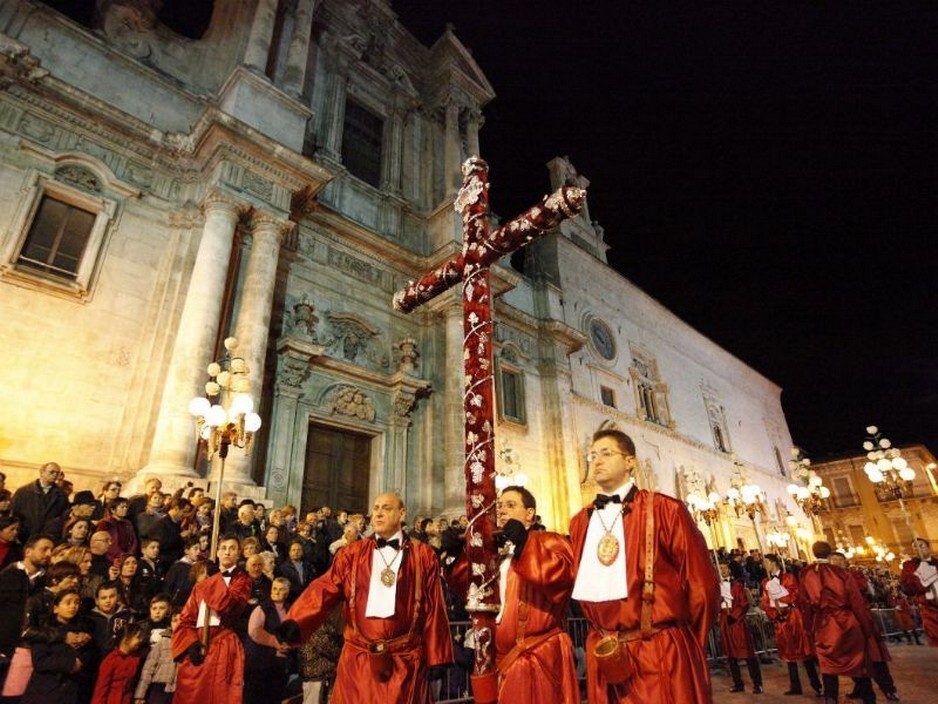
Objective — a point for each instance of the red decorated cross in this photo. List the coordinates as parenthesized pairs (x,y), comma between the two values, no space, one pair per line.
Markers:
(480,251)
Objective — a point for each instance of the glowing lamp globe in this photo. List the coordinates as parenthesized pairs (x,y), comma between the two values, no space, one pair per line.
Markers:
(252,422)
(199,406)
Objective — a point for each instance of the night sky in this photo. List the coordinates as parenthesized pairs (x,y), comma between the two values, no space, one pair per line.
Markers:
(769,172)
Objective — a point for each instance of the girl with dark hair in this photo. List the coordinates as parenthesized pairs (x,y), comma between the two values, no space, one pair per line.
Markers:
(128,584)
(62,651)
(117,675)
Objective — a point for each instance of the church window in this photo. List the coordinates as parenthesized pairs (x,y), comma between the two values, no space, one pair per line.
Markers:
(57,236)
(608,396)
(361,143)
(652,401)
(57,239)
(511,404)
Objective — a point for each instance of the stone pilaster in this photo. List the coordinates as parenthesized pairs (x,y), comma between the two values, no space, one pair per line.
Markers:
(474,122)
(174,444)
(391,178)
(294,74)
(452,162)
(253,317)
(449,307)
(262,31)
(335,120)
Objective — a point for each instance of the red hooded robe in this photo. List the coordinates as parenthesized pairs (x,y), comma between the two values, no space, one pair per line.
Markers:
(671,666)
(419,643)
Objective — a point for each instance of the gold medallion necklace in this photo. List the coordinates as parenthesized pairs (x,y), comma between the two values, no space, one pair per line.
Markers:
(608,548)
(388,577)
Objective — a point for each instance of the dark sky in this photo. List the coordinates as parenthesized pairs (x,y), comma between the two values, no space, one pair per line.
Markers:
(767,171)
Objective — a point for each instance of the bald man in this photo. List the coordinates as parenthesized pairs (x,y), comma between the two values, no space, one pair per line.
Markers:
(396,625)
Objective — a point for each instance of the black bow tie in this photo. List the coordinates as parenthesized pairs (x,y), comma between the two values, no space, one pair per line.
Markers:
(602,499)
(394,543)
(229,573)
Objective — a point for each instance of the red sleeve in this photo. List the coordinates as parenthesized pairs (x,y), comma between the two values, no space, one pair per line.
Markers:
(791,584)
(324,593)
(457,577)
(909,581)
(689,549)
(740,601)
(546,563)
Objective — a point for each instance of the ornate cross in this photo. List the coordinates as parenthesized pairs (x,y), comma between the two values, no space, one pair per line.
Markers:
(480,250)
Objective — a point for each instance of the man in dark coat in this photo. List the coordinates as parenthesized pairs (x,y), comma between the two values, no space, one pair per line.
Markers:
(18,582)
(40,503)
(168,532)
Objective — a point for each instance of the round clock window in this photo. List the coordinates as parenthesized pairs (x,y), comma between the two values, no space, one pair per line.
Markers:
(601,336)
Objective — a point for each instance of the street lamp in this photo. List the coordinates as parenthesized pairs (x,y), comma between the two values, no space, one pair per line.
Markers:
(704,507)
(746,498)
(813,497)
(888,470)
(224,417)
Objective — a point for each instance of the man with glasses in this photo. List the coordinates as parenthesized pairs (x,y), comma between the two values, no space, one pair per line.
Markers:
(110,492)
(653,623)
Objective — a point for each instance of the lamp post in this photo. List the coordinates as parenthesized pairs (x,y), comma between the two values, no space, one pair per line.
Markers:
(704,507)
(813,497)
(888,470)
(746,498)
(225,417)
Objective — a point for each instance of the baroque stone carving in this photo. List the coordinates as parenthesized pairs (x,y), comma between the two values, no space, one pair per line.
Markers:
(129,24)
(404,403)
(79,177)
(361,270)
(409,355)
(352,338)
(304,319)
(346,400)
(292,371)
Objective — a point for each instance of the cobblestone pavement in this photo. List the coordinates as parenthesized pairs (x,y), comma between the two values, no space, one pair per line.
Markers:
(914,669)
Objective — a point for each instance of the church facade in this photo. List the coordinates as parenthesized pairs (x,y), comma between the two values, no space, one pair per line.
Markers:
(275,174)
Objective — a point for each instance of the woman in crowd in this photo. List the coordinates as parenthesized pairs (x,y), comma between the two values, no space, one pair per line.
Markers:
(10,549)
(271,543)
(128,586)
(118,526)
(265,674)
(62,576)
(77,531)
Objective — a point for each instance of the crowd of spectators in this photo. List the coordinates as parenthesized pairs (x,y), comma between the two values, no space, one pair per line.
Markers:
(91,584)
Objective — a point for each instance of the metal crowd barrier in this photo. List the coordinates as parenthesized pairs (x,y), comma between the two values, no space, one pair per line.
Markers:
(454,688)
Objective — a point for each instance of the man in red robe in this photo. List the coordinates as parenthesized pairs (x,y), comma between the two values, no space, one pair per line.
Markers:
(734,632)
(667,657)
(213,674)
(396,625)
(876,648)
(919,579)
(780,603)
(534,653)
(833,609)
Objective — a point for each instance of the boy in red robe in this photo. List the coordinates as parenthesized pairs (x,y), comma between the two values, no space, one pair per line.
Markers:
(609,550)
(395,615)
(833,609)
(735,634)
(213,674)
(534,653)
(780,603)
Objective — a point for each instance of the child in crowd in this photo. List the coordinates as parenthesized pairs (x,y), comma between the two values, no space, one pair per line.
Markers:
(158,677)
(108,616)
(118,672)
(61,651)
(150,570)
(161,608)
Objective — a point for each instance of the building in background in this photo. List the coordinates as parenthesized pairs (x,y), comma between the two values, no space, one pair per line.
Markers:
(275,173)
(866,520)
